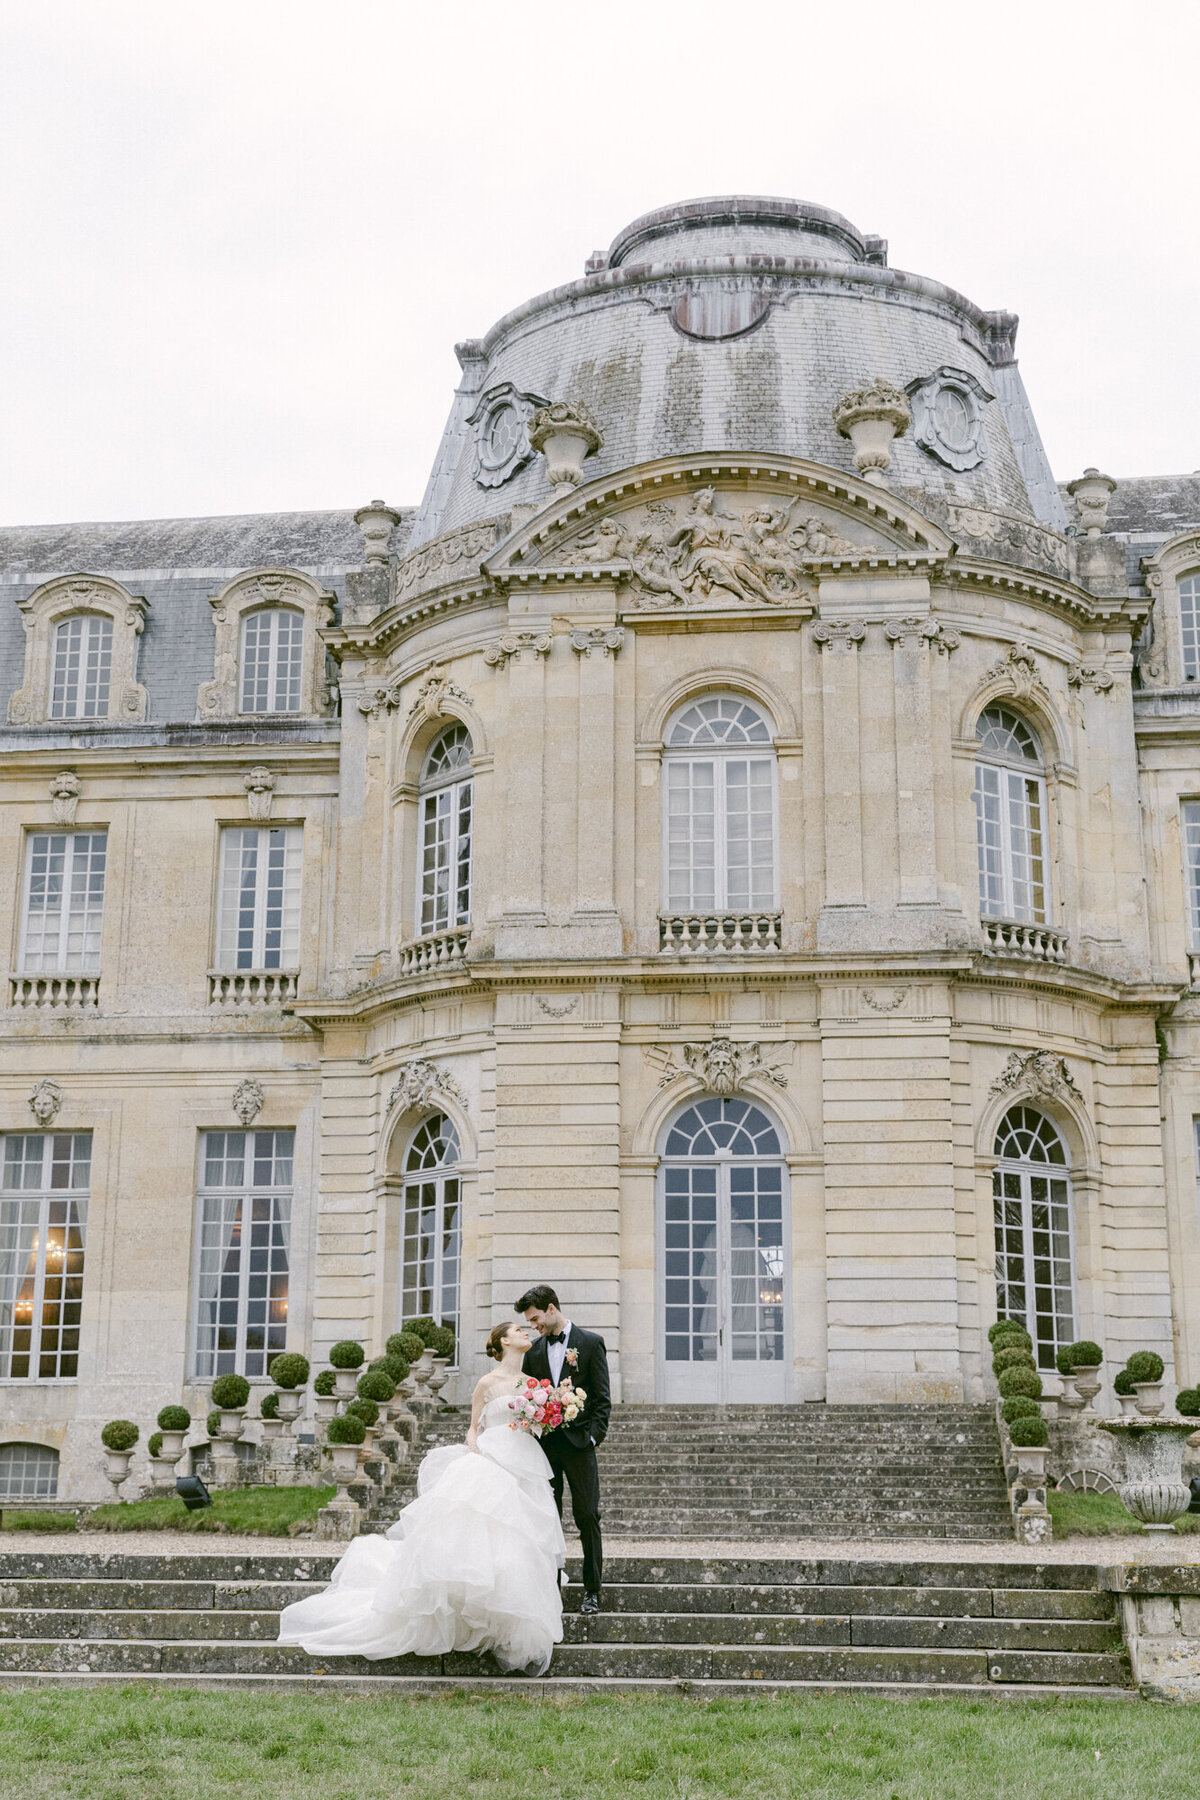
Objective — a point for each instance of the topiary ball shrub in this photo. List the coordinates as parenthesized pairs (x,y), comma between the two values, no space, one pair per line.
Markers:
(423,1328)
(366,1410)
(230,1392)
(119,1434)
(289,1370)
(324,1383)
(1020,1381)
(213,1424)
(1009,1332)
(347,1355)
(1187,1402)
(1029,1431)
(1019,1406)
(394,1367)
(154,1443)
(406,1344)
(375,1385)
(346,1429)
(174,1418)
(1011,1356)
(995,1330)
(1085,1354)
(1122,1382)
(1062,1360)
(441,1341)
(268,1406)
(1145,1365)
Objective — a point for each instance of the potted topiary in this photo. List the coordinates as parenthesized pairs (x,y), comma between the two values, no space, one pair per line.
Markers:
(289,1372)
(1187,1403)
(1026,1382)
(325,1404)
(1062,1362)
(1031,1441)
(173,1422)
(1011,1356)
(1005,1330)
(1123,1389)
(212,1425)
(344,1435)
(1146,1372)
(1019,1406)
(346,1357)
(376,1385)
(424,1328)
(405,1343)
(268,1407)
(1085,1359)
(368,1412)
(118,1437)
(230,1394)
(162,1468)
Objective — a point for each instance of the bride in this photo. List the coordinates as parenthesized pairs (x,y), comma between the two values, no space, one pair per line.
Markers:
(471,1564)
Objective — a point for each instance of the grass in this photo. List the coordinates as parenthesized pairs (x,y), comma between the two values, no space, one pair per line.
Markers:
(1100,1515)
(37,1521)
(135,1744)
(255,1512)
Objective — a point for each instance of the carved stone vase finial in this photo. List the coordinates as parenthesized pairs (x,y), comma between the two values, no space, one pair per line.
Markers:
(1091,493)
(871,417)
(565,432)
(376,520)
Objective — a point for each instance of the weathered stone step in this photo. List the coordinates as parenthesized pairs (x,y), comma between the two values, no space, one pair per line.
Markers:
(807,1629)
(728,1601)
(175,1622)
(107,1592)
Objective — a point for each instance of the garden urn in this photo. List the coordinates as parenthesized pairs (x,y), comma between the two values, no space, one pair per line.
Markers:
(289,1404)
(172,1446)
(1031,1464)
(438,1376)
(1128,1404)
(1086,1377)
(345,1383)
(118,1466)
(233,1422)
(325,1406)
(271,1429)
(1070,1395)
(1149,1398)
(422,1370)
(1153,1488)
(162,1470)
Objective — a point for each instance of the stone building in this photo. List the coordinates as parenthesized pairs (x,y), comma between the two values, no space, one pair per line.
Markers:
(732,851)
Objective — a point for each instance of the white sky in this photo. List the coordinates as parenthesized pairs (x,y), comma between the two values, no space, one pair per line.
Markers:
(241,239)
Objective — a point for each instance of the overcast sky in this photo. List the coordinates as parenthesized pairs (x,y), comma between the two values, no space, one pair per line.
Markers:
(242,239)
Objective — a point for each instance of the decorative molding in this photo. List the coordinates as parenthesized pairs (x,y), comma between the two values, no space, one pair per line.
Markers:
(376,520)
(434,692)
(871,417)
(1038,1074)
(884,1000)
(501,421)
(44,610)
(915,632)
(839,634)
(45,1101)
(514,644)
(597,638)
(558,1012)
(438,562)
(259,784)
(421,1082)
(1093,675)
(248,1098)
(722,1065)
(262,588)
(948,409)
(1019,670)
(64,796)
(1091,493)
(566,433)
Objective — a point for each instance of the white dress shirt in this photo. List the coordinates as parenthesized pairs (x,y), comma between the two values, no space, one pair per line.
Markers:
(557,1354)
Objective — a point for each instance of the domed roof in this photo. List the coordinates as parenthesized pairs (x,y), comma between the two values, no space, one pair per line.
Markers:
(738,224)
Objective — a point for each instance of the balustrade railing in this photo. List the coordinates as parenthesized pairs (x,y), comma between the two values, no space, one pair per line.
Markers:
(440,950)
(1036,943)
(55,993)
(719,933)
(251,987)
(1194,968)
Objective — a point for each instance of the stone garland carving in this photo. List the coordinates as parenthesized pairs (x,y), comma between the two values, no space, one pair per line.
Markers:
(421,1082)
(722,1065)
(884,1000)
(514,645)
(915,632)
(64,797)
(1018,667)
(703,555)
(45,1101)
(558,1012)
(1038,1074)
(259,784)
(839,634)
(871,417)
(597,638)
(439,562)
(248,1098)
(1014,540)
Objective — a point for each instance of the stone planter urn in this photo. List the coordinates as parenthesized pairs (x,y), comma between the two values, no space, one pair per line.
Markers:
(289,1404)
(325,1408)
(345,1383)
(344,1471)
(233,1423)
(1149,1398)
(438,1376)
(1070,1396)
(162,1470)
(422,1370)
(1153,1488)
(271,1429)
(1031,1464)
(117,1468)
(565,433)
(871,418)
(1087,1383)
(1128,1405)
(172,1446)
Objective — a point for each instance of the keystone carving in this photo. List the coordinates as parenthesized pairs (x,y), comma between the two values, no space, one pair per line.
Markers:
(871,417)
(433,694)
(248,1100)
(722,1065)
(584,642)
(1037,1074)
(914,632)
(838,634)
(420,1084)
(260,790)
(514,644)
(64,797)
(1018,667)
(45,1101)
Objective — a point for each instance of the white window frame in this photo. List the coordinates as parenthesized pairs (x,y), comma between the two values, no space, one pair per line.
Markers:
(72,1152)
(218,1208)
(235,841)
(456,790)
(294,670)
(1188,588)
(439,1177)
(720,756)
(1027,1171)
(1011,771)
(43,1461)
(1190,833)
(89,694)
(89,920)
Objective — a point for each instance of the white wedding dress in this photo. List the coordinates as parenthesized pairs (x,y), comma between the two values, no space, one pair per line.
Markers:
(471,1564)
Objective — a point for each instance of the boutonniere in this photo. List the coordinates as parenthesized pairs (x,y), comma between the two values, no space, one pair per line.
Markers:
(572,1357)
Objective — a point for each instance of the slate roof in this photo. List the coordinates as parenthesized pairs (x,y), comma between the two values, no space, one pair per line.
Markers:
(304,540)
(1160,504)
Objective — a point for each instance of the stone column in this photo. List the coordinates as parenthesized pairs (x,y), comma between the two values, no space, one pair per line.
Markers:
(518,657)
(839,640)
(596,648)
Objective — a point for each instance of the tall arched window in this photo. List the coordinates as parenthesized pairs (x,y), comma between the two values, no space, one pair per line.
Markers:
(272,660)
(723,1256)
(82,673)
(432,1244)
(1035,1281)
(444,874)
(1010,812)
(28,1472)
(719,808)
(1189,625)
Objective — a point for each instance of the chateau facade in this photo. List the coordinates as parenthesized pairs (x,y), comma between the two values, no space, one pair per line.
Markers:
(733,851)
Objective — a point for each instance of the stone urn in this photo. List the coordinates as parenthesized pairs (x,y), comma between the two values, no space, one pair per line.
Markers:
(233,1423)
(1153,1488)
(344,1471)
(871,418)
(117,1468)
(565,433)
(172,1446)
(271,1429)
(1031,1464)
(162,1471)
(1091,493)
(1070,1395)
(1086,1377)
(1128,1404)
(422,1370)
(345,1383)
(325,1408)
(438,1376)
(1148,1398)
(289,1404)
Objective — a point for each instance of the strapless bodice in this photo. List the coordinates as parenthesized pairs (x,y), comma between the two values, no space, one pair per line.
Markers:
(496,1412)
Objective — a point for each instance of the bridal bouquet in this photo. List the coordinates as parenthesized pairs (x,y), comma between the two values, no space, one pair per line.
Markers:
(540,1407)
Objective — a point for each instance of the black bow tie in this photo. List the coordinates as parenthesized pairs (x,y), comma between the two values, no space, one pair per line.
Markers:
(560,1339)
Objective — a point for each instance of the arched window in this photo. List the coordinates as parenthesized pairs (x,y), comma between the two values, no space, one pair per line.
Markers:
(82,672)
(719,808)
(1189,625)
(1035,1281)
(432,1246)
(444,874)
(272,660)
(723,1256)
(1010,811)
(28,1472)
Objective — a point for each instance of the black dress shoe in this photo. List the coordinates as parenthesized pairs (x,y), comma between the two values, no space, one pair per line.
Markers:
(591,1603)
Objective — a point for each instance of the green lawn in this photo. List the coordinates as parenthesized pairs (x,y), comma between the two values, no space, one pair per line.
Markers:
(134,1744)
(1101,1515)
(258,1512)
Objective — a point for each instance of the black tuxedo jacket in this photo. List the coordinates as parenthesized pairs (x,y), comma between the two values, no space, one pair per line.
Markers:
(590,1373)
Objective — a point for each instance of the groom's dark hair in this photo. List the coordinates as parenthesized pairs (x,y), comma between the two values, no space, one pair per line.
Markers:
(541,1297)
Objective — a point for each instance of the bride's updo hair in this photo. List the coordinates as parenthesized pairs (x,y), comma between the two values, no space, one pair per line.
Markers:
(496,1337)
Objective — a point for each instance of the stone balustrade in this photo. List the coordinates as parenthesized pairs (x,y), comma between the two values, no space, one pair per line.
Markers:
(1035,943)
(59,993)
(440,950)
(720,933)
(251,987)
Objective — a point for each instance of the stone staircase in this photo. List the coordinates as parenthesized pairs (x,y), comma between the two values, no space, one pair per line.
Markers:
(75,1618)
(746,1473)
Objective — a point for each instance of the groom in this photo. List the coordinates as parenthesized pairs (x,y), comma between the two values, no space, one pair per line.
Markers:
(563,1350)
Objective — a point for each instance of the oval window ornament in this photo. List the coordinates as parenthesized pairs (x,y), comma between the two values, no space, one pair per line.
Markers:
(711,312)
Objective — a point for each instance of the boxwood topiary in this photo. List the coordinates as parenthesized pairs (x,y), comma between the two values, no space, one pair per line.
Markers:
(230,1392)
(1029,1431)
(324,1383)
(1145,1365)
(406,1344)
(1122,1382)
(995,1330)
(1008,1331)
(289,1370)
(366,1410)
(174,1418)
(119,1434)
(1011,1356)
(394,1367)
(1020,1381)
(268,1406)
(441,1341)
(1085,1354)
(375,1385)
(154,1443)
(213,1424)
(347,1428)
(347,1355)
(1019,1406)
(1187,1402)
(423,1328)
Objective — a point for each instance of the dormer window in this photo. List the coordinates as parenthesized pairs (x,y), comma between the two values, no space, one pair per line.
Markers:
(82,672)
(272,660)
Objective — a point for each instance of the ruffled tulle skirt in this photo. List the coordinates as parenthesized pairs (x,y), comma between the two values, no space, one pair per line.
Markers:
(471,1564)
